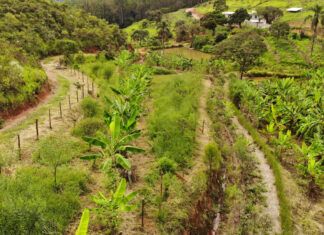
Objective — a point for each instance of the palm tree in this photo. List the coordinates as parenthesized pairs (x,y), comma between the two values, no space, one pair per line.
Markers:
(315,19)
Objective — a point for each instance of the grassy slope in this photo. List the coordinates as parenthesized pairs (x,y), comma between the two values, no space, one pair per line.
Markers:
(252,4)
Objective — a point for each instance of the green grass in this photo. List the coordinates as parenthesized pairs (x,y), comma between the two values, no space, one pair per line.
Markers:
(285,211)
(172,125)
(188,53)
(102,83)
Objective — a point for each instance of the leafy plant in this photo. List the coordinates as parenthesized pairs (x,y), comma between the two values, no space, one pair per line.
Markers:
(84,223)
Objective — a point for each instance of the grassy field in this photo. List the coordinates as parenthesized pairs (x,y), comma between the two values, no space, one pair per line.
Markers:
(172,125)
(188,53)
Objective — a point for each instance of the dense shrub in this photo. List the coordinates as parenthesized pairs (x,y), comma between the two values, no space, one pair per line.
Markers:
(88,127)
(90,107)
(208,49)
(18,84)
(201,40)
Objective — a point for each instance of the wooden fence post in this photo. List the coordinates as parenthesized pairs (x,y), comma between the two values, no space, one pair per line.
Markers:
(50,118)
(77,96)
(61,114)
(19,147)
(37,131)
(83,91)
(69,102)
(142,214)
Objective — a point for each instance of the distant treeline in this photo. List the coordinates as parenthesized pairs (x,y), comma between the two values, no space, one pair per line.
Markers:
(37,27)
(125,12)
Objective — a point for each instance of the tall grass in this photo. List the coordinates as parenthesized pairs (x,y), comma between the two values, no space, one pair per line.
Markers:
(172,125)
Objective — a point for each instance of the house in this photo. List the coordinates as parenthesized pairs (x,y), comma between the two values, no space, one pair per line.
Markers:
(228,13)
(256,21)
(294,9)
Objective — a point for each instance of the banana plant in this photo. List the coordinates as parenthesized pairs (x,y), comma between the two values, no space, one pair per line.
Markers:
(114,145)
(116,203)
(118,200)
(283,141)
(84,223)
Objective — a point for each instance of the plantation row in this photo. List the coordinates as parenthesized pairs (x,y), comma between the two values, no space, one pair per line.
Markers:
(289,111)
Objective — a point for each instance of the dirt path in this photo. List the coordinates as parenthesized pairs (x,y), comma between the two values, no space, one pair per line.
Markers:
(25,125)
(196,15)
(203,136)
(272,208)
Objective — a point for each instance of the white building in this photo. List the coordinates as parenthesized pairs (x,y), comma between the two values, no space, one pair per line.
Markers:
(294,9)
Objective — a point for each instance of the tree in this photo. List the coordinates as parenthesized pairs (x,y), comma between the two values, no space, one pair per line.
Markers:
(220,5)
(280,29)
(315,19)
(164,32)
(269,13)
(194,29)
(140,35)
(154,15)
(211,20)
(244,49)
(212,157)
(182,32)
(239,16)
(54,151)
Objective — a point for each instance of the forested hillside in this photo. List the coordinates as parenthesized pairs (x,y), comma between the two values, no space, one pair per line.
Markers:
(30,30)
(125,12)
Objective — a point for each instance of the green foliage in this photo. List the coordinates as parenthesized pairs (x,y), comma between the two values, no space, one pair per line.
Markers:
(200,41)
(90,107)
(18,84)
(279,102)
(212,20)
(112,207)
(54,151)
(44,211)
(220,5)
(140,35)
(166,165)
(169,61)
(269,13)
(132,11)
(212,157)
(84,223)
(244,49)
(280,29)
(88,127)
(54,24)
(172,125)
(239,16)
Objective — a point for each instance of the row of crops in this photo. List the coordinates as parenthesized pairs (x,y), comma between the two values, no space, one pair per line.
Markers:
(290,112)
